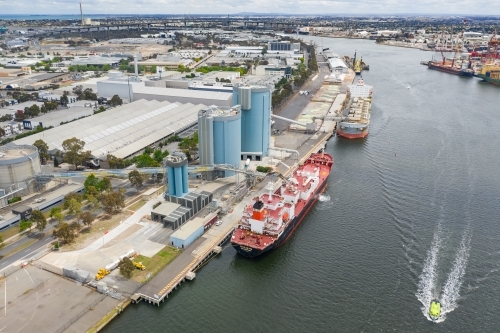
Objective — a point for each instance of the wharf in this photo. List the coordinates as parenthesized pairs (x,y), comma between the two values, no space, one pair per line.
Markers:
(203,249)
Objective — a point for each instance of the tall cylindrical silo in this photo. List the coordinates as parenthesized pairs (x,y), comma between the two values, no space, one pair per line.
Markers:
(255,102)
(185,187)
(177,183)
(227,139)
(171,180)
(206,137)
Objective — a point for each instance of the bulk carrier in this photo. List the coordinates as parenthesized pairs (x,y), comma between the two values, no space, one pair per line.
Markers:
(356,121)
(271,218)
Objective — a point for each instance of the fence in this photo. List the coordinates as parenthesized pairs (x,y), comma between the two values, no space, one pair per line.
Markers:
(80,314)
(10,270)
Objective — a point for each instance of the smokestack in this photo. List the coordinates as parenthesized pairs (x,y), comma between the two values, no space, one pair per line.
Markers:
(81,13)
(136,70)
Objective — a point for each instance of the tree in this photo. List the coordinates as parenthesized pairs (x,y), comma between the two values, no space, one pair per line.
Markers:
(78,90)
(2,132)
(106,67)
(87,218)
(104,185)
(73,151)
(56,214)
(153,69)
(64,100)
(69,196)
(90,181)
(56,162)
(126,267)
(65,232)
(135,178)
(74,207)
(24,225)
(38,219)
(144,161)
(43,150)
(115,101)
(1,242)
(93,203)
(113,201)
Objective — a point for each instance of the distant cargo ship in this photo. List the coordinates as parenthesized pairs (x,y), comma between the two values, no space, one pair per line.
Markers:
(357,118)
(439,66)
(270,219)
(490,73)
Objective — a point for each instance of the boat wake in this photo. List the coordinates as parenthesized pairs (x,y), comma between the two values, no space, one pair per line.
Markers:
(428,288)
(324,197)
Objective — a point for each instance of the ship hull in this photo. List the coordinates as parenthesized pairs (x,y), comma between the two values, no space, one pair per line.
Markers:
(449,70)
(352,132)
(489,79)
(290,229)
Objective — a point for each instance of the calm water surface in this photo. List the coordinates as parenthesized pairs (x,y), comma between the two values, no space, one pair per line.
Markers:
(413,214)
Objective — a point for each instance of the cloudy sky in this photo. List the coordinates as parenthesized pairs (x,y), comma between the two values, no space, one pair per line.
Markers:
(68,7)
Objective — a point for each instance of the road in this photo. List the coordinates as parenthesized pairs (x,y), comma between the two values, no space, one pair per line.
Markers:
(26,252)
(299,102)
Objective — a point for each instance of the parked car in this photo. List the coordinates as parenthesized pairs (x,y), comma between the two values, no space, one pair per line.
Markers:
(218,223)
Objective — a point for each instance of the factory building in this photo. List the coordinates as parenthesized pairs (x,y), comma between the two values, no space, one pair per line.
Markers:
(125,130)
(219,133)
(18,167)
(222,99)
(255,102)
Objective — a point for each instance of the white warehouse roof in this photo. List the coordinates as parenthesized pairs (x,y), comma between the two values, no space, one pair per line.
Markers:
(124,130)
(183,95)
(336,63)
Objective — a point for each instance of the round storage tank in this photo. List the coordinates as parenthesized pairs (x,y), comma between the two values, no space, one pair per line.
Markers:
(227,139)
(18,165)
(255,120)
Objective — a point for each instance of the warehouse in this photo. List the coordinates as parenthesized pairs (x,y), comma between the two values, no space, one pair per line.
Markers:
(125,130)
(188,233)
(55,118)
(224,99)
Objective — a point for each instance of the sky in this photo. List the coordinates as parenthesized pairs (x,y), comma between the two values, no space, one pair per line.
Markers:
(68,7)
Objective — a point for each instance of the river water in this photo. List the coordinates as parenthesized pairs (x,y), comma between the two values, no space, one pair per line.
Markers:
(410,213)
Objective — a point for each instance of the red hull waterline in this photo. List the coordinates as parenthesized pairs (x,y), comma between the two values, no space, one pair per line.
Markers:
(352,136)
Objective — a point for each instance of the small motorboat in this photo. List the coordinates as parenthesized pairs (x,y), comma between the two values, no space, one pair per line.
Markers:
(435,309)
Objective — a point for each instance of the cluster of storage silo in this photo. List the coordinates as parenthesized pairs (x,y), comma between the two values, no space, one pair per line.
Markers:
(177,174)
(219,137)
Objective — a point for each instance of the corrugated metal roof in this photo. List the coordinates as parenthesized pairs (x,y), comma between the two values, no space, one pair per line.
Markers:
(166,208)
(188,93)
(124,130)
(188,228)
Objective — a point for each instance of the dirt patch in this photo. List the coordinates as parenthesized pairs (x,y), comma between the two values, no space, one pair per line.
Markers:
(97,230)
(121,237)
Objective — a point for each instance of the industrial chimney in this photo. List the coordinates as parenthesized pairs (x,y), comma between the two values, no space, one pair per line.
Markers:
(136,70)
(81,13)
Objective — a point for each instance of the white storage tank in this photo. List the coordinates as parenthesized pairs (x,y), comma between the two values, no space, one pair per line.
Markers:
(18,165)
(113,265)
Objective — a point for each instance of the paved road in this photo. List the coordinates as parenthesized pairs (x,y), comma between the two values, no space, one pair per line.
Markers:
(26,252)
(298,103)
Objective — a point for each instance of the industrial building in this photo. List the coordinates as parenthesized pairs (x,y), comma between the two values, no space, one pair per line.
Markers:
(337,64)
(283,46)
(177,174)
(219,136)
(125,130)
(188,233)
(55,118)
(222,99)
(255,102)
(18,167)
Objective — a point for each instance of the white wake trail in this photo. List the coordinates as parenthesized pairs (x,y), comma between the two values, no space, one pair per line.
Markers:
(451,291)
(427,283)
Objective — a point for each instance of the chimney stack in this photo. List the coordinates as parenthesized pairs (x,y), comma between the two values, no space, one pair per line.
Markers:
(136,70)
(81,13)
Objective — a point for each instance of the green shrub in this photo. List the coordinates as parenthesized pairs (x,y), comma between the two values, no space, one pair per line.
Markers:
(13,200)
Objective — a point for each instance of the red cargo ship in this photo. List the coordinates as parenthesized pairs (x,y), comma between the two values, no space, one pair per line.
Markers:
(270,219)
